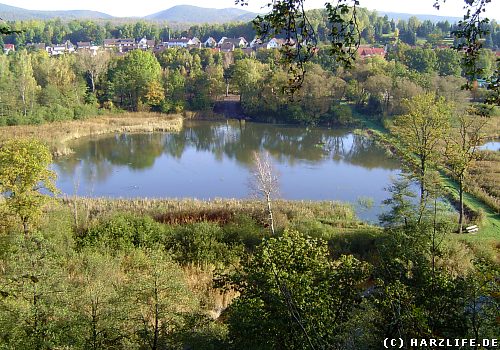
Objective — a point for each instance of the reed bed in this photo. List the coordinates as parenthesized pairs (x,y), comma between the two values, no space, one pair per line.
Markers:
(183,211)
(485,179)
(58,133)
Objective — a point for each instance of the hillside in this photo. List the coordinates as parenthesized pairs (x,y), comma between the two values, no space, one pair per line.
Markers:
(195,14)
(12,13)
(422,17)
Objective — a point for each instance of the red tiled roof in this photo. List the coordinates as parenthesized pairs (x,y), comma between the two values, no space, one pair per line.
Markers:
(370,51)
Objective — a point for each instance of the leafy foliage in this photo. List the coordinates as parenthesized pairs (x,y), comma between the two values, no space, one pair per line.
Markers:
(293,296)
(24,174)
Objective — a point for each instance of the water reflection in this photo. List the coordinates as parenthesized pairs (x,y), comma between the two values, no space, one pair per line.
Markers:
(207,160)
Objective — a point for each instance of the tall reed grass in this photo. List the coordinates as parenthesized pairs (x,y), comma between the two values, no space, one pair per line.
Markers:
(183,211)
(58,133)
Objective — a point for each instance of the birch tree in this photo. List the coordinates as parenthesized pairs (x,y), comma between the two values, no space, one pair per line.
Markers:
(24,82)
(264,182)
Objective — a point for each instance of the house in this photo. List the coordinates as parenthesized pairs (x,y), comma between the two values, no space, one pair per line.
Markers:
(227,46)
(172,43)
(255,43)
(183,42)
(83,45)
(194,43)
(87,45)
(238,42)
(60,49)
(120,45)
(274,43)
(210,42)
(365,52)
(221,41)
(8,48)
(145,44)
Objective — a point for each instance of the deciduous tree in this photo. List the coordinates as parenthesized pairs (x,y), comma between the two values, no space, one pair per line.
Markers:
(24,173)
(421,130)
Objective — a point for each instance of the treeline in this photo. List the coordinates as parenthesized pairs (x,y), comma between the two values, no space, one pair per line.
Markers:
(374,29)
(36,88)
(374,86)
(83,274)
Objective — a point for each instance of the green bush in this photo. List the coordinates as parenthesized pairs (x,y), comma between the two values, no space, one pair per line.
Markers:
(85,111)
(340,114)
(243,230)
(14,119)
(200,243)
(57,112)
(124,231)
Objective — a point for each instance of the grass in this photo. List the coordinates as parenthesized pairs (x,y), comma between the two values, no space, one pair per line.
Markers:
(183,211)
(484,180)
(58,133)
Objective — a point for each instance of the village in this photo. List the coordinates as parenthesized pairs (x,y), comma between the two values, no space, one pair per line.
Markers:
(123,45)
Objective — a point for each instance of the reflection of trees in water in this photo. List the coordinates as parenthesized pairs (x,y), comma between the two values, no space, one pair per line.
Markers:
(230,139)
(359,150)
(98,156)
(286,144)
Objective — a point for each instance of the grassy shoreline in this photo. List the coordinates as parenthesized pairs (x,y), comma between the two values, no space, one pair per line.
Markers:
(488,217)
(181,211)
(57,134)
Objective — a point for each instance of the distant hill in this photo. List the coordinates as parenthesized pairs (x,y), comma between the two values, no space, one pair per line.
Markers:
(404,16)
(195,14)
(12,13)
(178,14)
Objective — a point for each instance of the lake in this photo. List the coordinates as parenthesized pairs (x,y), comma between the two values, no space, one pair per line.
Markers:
(491,146)
(209,160)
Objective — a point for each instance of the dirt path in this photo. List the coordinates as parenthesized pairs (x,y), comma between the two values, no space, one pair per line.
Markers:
(230,107)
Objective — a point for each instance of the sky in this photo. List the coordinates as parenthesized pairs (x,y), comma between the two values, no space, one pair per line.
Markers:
(127,8)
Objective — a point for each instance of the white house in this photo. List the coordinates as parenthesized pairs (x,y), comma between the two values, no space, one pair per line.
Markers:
(240,42)
(255,42)
(182,42)
(221,41)
(275,43)
(210,42)
(145,44)
(61,49)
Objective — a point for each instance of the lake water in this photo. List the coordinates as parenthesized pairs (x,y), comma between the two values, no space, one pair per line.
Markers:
(209,160)
(491,146)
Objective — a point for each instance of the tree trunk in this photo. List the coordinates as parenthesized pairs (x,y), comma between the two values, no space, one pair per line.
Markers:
(23,97)
(92,82)
(270,212)
(461,203)
(157,312)
(422,180)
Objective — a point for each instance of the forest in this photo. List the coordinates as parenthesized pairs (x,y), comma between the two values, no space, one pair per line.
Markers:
(36,88)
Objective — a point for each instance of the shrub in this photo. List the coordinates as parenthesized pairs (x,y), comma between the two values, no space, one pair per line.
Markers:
(340,114)
(85,111)
(124,231)
(200,244)
(57,112)
(244,230)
